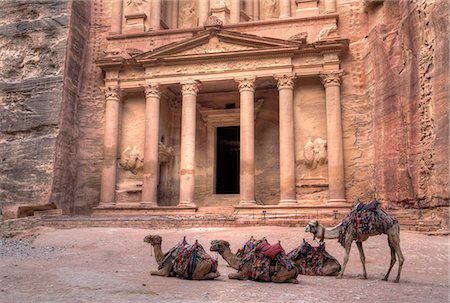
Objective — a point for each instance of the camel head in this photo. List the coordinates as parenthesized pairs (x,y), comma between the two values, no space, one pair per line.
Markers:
(312,227)
(153,239)
(219,245)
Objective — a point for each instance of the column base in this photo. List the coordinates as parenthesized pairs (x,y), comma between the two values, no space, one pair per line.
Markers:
(288,202)
(186,204)
(337,201)
(247,203)
(148,204)
(106,204)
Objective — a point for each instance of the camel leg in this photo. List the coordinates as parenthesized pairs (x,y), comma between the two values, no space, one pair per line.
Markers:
(238,276)
(203,272)
(348,246)
(393,259)
(285,276)
(362,258)
(163,272)
(331,268)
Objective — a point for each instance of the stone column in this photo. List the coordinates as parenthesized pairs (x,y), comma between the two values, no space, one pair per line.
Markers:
(187,162)
(235,11)
(336,181)
(151,140)
(247,133)
(287,138)
(155,13)
(285,8)
(330,6)
(203,10)
(110,143)
(116,17)
(255,9)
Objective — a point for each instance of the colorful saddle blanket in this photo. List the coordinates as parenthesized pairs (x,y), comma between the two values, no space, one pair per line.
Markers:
(262,257)
(365,220)
(311,259)
(187,259)
(248,247)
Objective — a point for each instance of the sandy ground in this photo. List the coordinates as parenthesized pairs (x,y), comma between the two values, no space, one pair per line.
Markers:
(113,264)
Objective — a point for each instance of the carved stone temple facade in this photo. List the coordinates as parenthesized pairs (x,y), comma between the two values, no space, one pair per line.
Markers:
(227,106)
(180,75)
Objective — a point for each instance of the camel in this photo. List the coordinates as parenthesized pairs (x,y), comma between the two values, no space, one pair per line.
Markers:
(277,274)
(393,233)
(306,258)
(330,266)
(204,270)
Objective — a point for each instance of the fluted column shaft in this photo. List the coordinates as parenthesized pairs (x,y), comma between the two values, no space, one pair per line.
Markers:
(187,165)
(287,138)
(247,135)
(330,6)
(151,140)
(285,8)
(203,10)
(116,16)
(336,181)
(110,143)
(235,11)
(155,15)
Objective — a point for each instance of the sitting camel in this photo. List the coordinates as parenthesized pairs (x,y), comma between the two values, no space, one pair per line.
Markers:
(299,255)
(370,223)
(314,261)
(280,268)
(177,261)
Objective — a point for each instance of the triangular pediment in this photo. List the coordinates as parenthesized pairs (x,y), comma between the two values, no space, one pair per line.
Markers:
(212,43)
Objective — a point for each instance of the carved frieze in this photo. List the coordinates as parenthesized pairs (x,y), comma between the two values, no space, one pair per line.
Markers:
(214,45)
(213,22)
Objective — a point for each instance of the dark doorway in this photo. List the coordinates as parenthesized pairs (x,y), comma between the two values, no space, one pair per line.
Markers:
(227,165)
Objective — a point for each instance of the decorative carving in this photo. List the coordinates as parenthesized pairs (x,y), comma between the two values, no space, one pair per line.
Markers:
(214,45)
(315,153)
(132,160)
(301,37)
(111,92)
(165,153)
(285,81)
(331,78)
(213,22)
(136,4)
(190,87)
(188,16)
(247,83)
(270,9)
(113,51)
(328,32)
(152,90)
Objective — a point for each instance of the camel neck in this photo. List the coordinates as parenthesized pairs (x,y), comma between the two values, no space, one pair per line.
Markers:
(159,255)
(329,233)
(231,259)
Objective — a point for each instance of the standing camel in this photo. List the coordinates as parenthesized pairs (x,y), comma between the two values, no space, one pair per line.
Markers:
(393,233)
(205,268)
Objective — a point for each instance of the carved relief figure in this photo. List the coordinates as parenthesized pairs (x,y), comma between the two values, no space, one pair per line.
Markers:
(315,153)
(328,32)
(136,5)
(188,16)
(270,9)
(132,159)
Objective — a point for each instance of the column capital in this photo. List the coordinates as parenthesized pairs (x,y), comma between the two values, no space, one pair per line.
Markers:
(331,78)
(285,80)
(112,93)
(246,83)
(190,87)
(152,90)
